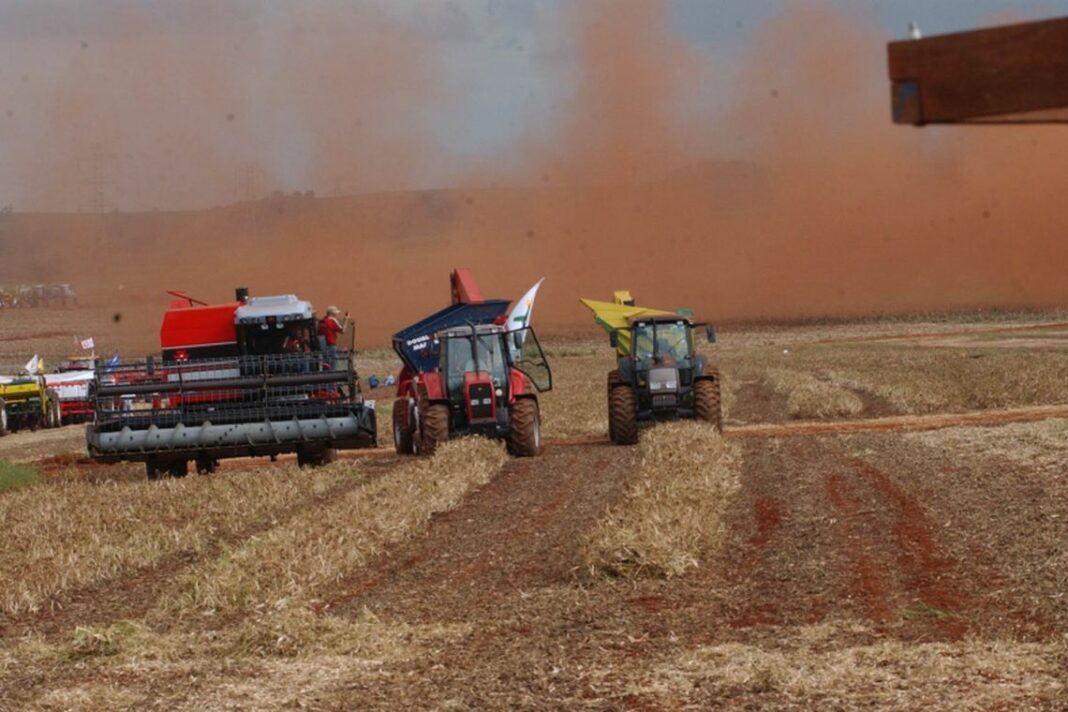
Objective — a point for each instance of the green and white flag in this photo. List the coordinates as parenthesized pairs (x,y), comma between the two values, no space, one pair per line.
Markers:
(524,308)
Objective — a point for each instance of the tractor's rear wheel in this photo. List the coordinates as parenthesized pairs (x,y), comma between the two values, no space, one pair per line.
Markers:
(524,436)
(622,414)
(433,427)
(3,417)
(57,414)
(402,432)
(706,402)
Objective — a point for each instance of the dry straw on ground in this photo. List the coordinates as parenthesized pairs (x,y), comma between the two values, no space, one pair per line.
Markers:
(983,674)
(290,564)
(671,516)
(810,397)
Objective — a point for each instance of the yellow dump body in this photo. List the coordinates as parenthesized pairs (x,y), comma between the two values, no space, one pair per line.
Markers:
(615,318)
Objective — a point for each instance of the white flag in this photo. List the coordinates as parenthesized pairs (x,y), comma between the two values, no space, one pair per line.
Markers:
(33,365)
(524,308)
(88,344)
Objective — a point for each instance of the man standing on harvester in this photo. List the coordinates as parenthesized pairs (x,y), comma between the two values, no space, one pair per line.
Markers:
(329,328)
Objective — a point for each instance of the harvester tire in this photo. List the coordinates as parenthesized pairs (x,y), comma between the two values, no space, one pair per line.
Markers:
(3,417)
(706,403)
(524,436)
(316,458)
(622,415)
(402,432)
(433,427)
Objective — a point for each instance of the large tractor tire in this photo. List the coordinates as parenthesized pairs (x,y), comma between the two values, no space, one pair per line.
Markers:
(706,403)
(3,417)
(622,414)
(402,431)
(55,412)
(433,427)
(524,436)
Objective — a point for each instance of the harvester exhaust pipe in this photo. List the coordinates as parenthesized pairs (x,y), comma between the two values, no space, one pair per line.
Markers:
(241,294)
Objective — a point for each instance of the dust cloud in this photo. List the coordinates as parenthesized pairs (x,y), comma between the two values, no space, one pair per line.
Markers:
(823,208)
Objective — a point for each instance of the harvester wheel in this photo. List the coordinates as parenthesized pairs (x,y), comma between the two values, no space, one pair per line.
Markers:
(524,437)
(3,417)
(402,433)
(706,404)
(175,468)
(622,415)
(434,427)
(206,465)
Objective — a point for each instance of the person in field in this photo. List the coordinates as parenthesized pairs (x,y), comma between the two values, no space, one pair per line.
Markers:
(329,330)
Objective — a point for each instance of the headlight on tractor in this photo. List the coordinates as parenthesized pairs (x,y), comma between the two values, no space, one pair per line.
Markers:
(663,380)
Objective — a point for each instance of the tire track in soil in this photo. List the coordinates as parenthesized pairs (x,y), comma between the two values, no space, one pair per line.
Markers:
(520,531)
(816,531)
(131,595)
(903,423)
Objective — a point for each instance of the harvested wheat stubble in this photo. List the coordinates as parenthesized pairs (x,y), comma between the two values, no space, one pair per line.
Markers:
(810,397)
(76,533)
(290,565)
(808,669)
(671,516)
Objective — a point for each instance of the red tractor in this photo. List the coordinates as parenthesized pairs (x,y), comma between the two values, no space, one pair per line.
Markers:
(466,373)
(245,378)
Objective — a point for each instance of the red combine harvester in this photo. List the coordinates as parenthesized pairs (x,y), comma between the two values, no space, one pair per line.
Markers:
(466,373)
(230,384)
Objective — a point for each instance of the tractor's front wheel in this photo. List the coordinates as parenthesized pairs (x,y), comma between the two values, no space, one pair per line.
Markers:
(433,427)
(402,429)
(622,414)
(706,402)
(524,436)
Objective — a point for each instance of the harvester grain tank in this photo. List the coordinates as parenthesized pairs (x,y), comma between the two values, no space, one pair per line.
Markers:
(659,375)
(225,386)
(465,373)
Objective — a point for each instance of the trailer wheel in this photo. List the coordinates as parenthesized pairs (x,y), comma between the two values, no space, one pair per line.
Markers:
(524,436)
(3,417)
(402,433)
(622,414)
(433,427)
(706,403)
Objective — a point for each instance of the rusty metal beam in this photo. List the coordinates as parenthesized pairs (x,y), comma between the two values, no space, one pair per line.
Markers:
(1010,74)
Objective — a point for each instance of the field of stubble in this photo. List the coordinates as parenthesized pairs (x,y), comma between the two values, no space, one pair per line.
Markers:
(910,551)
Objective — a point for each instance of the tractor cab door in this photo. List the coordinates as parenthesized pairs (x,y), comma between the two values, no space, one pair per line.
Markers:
(528,357)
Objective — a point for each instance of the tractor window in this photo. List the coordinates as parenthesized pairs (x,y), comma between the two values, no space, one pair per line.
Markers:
(662,341)
(530,359)
(459,359)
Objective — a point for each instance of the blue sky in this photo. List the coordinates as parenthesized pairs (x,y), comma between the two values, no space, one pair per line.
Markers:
(500,70)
